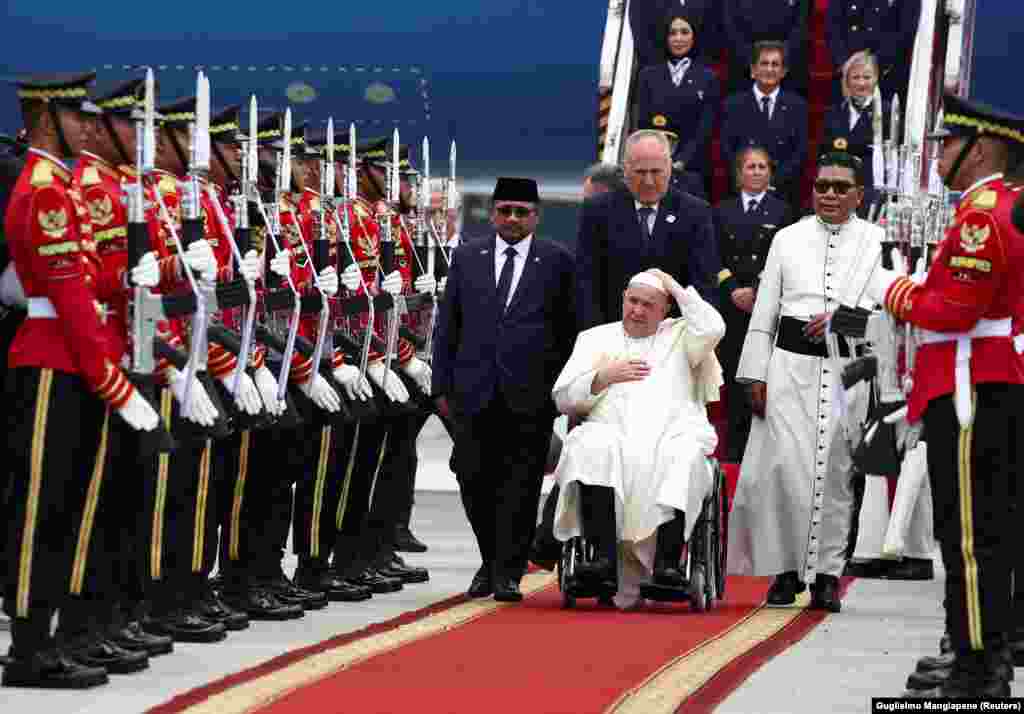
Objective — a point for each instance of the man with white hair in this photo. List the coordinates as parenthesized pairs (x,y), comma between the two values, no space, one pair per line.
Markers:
(647,224)
(635,471)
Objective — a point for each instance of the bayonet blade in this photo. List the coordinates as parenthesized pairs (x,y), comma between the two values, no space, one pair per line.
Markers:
(253,147)
(329,176)
(149,124)
(286,156)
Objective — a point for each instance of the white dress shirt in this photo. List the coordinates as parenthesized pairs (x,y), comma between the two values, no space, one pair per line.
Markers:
(522,249)
(748,197)
(651,219)
(774,96)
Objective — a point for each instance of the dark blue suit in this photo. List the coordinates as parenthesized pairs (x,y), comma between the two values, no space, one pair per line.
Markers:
(859,142)
(497,369)
(611,248)
(647,21)
(748,21)
(886,27)
(689,109)
(743,242)
(784,136)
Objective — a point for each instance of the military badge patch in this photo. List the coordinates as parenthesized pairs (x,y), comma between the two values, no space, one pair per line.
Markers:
(660,120)
(986,200)
(973,238)
(101,210)
(840,144)
(54,223)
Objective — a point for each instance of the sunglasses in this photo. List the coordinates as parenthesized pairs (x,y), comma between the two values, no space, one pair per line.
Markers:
(841,188)
(517,211)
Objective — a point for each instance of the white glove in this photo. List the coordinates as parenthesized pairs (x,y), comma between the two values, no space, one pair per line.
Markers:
(392,283)
(420,373)
(248,397)
(907,435)
(322,394)
(392,386)
(200,258)
(267,384)
(281,264)
(425,284)
(251,267)
(329,281)
(442,284)
(356,386)
(147,273)
(199,409)
(351,277)
(139,414)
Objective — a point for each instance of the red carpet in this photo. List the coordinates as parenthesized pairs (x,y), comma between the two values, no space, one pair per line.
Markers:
(534,657)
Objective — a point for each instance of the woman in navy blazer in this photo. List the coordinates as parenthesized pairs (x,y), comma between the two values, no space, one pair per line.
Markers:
(849,124)
(691,107)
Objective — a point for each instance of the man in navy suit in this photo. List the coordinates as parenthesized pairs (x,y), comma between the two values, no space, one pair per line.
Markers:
(768,116)
(886,27)
(505,329)
(623,233)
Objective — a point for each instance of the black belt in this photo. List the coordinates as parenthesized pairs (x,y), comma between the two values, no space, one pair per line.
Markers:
(790,337)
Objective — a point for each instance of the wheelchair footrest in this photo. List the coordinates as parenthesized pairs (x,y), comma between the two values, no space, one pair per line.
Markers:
(665,593)
(575,587)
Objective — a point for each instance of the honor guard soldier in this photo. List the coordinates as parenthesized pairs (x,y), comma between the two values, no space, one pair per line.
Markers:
(966,389)
(328,448)
(397,470)
(183,519)
(745,227)
(60,355)
(253,581)
(106,624)
(885,27)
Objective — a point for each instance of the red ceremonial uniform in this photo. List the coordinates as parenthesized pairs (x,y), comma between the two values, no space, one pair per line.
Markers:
(308,211)
(52,247)
(977,273)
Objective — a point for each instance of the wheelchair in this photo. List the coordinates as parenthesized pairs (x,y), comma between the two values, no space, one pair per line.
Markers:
(703,562)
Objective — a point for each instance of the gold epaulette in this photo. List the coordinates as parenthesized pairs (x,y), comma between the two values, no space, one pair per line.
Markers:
(44,171)
(90,176)
(168,184)
(986,200)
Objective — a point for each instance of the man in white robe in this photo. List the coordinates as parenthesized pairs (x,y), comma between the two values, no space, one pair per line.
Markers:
(793,507)
(636,472)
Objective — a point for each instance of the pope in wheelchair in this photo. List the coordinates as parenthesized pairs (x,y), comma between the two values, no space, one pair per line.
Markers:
(634,475)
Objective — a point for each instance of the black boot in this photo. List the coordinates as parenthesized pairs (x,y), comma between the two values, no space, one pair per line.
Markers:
(315,575)
(937,676)
(396,567)
(406,542)
(670,552)
(975,674)
(36,662)
(291,594)
(825,593)
(126,632)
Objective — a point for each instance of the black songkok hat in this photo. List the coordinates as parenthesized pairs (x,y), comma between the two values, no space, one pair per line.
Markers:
(67,89)
(121,98)
(516,189)
(225,126)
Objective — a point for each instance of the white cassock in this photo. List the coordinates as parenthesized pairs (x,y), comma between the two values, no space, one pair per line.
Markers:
(793,505)
(647,440)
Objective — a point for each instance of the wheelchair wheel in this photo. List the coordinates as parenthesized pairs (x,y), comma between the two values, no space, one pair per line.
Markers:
(698,589)
(722,542)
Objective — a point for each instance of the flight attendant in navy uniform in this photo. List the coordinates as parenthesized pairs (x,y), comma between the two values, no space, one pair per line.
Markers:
(647,21)
(682,92)
(744,226)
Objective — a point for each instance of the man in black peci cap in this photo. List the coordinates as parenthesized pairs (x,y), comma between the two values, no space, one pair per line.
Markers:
(506,327)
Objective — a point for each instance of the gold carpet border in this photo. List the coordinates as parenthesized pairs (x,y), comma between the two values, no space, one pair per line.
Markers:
(666,689)
(254,695)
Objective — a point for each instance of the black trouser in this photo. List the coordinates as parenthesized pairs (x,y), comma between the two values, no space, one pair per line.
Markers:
(58,443)
(973,476)
(356,545)
(185,512)
(597,514)
(396,482)
(404,515)
(10,320)
(318,490)
(500,457)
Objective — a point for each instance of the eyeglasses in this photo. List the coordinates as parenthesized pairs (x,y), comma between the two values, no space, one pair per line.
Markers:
(517,211)
(840,187)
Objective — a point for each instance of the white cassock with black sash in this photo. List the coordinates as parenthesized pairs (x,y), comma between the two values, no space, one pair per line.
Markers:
(647,440)
(794,500)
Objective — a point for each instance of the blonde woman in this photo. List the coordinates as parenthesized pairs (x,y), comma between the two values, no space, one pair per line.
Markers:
(849,124)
